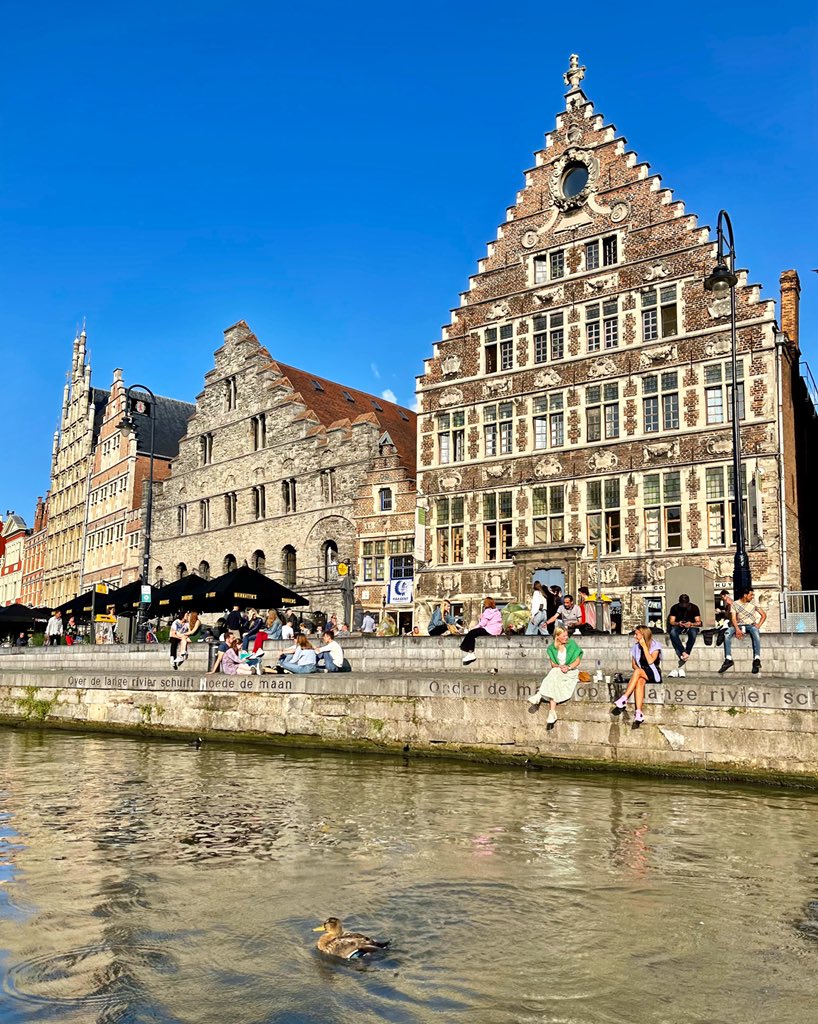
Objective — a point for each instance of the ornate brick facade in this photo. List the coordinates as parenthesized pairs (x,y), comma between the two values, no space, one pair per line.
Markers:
(595,370)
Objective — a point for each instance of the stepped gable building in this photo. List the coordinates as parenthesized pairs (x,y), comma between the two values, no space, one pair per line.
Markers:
(114,535)
(580,397)
(34,557)
(268,470)
(12,545)
(73,448)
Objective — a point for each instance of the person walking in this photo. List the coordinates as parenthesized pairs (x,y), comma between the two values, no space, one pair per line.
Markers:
(564,656)
(490,624)
(71,632)
(684,617)
(746,617)
(442,620)
(646,662)
(539,610)
(53,629)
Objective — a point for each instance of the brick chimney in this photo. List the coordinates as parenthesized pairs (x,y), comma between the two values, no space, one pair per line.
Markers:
(38,515)
(790,299)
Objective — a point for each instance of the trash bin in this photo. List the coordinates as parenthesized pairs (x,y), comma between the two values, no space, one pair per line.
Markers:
(212,652)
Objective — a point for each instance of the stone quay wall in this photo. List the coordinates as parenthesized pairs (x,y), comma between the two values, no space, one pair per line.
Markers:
(423,702)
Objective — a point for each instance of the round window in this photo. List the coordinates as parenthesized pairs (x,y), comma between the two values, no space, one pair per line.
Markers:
(574,180)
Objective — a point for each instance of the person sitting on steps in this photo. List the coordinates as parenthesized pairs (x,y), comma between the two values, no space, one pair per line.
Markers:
(490,624)
(684,617)
(746,617)
(646,661)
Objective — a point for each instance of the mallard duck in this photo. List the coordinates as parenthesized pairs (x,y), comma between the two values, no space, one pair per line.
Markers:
(346,945)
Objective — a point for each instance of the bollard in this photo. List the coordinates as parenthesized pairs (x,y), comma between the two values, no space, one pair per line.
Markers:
(212,652)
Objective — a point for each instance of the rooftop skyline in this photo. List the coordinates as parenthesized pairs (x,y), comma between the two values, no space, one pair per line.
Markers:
(333,177)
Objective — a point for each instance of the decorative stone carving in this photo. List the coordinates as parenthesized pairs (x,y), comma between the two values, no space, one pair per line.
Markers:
(719,445)
(718,308)
(602,368)
(450,364)
(452,397)
(530,239)
(620,212)
(608,573)
(661,451)
(573,156)
(602,460)
(717,347)
(451,482)
(574,134)
(495,582)
(447,584)
(598,284)
(574,75)
(655,273)
(496,470)
(497,387)
(549,298)
(547,379)
(722,568)
(657,355)
(547,466)
(498,310)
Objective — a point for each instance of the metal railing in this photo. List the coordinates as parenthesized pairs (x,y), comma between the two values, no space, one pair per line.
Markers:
(799,611)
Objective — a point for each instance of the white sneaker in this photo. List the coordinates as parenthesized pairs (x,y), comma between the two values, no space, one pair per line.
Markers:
(552,717)
(469,658)
(677,673)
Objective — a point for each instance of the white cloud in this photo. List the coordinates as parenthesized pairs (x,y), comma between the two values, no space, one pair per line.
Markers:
(389,395)
(376,373)
(415,404)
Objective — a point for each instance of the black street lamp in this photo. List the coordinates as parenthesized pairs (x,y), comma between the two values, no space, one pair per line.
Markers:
(140,407)
(721,281)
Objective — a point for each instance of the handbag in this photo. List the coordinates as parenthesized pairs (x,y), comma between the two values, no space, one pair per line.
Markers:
(584,677)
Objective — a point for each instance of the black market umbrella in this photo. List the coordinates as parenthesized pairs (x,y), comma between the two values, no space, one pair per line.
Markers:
(22,615)
(169,599)
(246,588)
(80,606)
(126,599)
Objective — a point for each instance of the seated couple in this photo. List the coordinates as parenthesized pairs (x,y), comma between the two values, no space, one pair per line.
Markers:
(302,658)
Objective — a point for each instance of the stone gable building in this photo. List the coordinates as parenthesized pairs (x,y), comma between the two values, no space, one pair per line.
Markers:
(117,490)
(34,556)
(580,399)
(268,471)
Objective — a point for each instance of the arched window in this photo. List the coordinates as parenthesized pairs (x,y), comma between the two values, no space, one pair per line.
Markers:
(258,561)
(288,566)
(181,570)
(329,559)
(229,563)
(204,570)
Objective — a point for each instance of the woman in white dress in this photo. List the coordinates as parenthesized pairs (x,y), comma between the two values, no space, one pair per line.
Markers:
(564,656)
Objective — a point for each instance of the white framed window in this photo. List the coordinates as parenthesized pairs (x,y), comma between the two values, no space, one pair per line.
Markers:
(451,437)
(603,515)
(497,531)
(549,423)
(498,348)
(662,498)
(602,412)
(449,530)
(721,505)
(498,429)
(660,317)
(549,337)
(718,392)
(548,514)
(660,402)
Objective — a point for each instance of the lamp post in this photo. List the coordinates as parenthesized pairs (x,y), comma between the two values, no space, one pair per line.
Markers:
(721,281)
(141,407)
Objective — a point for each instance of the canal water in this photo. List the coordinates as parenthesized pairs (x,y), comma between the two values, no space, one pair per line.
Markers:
(147,881)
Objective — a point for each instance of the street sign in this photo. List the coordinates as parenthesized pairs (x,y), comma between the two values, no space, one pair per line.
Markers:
(342,568)
(145,595)
(140,406)
(101,588)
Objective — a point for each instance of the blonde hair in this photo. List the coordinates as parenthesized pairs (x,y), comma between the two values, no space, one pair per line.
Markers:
(561,629)
(647,634)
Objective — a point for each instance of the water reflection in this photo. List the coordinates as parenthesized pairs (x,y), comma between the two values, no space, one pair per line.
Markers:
(148,881)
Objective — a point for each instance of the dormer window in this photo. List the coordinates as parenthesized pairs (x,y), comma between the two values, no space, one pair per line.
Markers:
(385,499)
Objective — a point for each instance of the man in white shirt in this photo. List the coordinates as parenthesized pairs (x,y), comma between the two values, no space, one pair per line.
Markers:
(287,631)
(331,655)
(368,623)
(53,629)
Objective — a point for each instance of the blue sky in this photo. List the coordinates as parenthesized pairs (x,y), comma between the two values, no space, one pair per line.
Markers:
(331,173)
